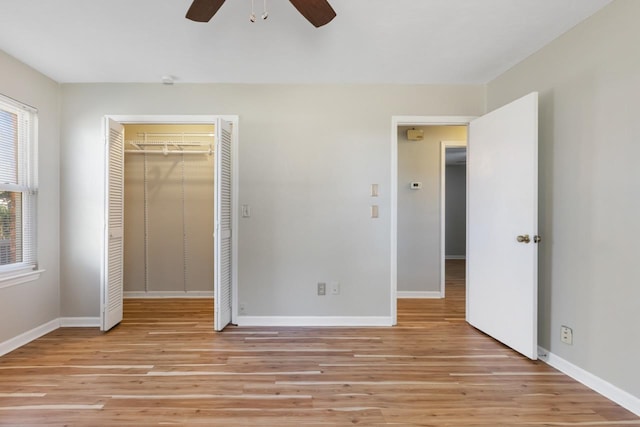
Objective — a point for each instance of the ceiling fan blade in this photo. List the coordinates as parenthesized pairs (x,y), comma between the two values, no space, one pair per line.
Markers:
(318,12)
(203,10)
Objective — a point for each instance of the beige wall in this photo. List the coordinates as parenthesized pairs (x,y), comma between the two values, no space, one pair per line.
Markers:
(29,305)
(589,84)
(419,210)
(179,248)
(307,158)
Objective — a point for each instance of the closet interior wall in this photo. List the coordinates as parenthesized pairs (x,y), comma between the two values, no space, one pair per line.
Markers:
(168,211)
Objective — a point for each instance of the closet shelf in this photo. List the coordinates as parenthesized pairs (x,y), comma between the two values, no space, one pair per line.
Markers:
(169,147)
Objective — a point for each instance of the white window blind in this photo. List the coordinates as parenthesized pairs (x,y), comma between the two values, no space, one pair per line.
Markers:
(18,186)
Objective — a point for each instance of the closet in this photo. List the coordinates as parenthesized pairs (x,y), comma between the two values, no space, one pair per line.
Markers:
(168,210)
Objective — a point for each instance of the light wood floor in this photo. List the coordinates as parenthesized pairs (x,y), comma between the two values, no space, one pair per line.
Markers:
(165,366)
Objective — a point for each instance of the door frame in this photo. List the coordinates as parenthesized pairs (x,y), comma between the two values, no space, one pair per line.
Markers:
(443,205)
(201,119)
(396,122)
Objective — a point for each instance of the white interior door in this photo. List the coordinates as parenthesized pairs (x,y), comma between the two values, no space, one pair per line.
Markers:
(502,177)
(113,250)
(223,220)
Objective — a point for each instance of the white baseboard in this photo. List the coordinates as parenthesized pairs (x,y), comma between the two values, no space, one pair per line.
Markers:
(169,294)
(597,384)
(419,294)
(80,322)
(455,257)
(313,321)
(26,337)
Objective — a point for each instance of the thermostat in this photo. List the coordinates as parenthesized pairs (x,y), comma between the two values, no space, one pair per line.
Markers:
(416,185)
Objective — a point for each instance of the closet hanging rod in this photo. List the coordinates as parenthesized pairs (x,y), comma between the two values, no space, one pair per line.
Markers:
(175,143)
(167,152)
(176,134)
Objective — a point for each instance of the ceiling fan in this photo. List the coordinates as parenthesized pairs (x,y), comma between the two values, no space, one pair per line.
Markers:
(318,12)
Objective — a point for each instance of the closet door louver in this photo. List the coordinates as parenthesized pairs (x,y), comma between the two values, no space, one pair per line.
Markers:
(112,272)
(222,234)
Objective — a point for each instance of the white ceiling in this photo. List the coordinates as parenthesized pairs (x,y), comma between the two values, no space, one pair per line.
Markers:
(370,41)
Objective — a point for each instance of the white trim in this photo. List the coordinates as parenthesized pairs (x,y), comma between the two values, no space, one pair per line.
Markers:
(313,321)
(18,104)
(455,257)
(397,121)
(421,294)
(431,120)
(26,337)
(14,187)
(443,204)
(393,267)
(595,383)
(80,322)
(63,322)
(171,119)
(7,280)
(168,294)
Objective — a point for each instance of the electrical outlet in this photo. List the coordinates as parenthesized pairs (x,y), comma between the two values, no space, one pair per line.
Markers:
(241,309)
(322,288)
(335,288)
(566,335)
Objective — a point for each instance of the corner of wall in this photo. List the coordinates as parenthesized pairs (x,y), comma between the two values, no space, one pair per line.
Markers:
(597,384)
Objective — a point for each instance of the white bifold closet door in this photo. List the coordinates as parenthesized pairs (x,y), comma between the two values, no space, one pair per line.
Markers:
(113,245)
(222,231)
(113,249)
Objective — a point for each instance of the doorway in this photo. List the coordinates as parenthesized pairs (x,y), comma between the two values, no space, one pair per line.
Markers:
(399,127)
(421,207)
(222,242)
(453,215)
(501,218)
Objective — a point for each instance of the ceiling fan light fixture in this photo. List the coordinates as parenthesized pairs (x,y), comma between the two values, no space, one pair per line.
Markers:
(317,12)
(252,17)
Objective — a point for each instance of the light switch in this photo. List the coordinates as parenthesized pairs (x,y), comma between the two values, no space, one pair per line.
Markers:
(374,190)
(374,211)
(246,211)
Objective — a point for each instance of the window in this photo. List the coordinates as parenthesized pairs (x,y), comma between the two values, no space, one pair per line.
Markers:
(18,189)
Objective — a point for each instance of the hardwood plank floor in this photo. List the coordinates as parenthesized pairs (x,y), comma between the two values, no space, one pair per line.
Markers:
(164,365)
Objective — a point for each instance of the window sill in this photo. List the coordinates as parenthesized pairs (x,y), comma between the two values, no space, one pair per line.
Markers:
(17,277)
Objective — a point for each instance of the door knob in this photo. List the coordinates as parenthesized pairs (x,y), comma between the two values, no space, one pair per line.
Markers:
(524,239)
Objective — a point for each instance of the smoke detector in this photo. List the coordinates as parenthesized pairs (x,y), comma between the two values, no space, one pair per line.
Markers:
(415,134)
